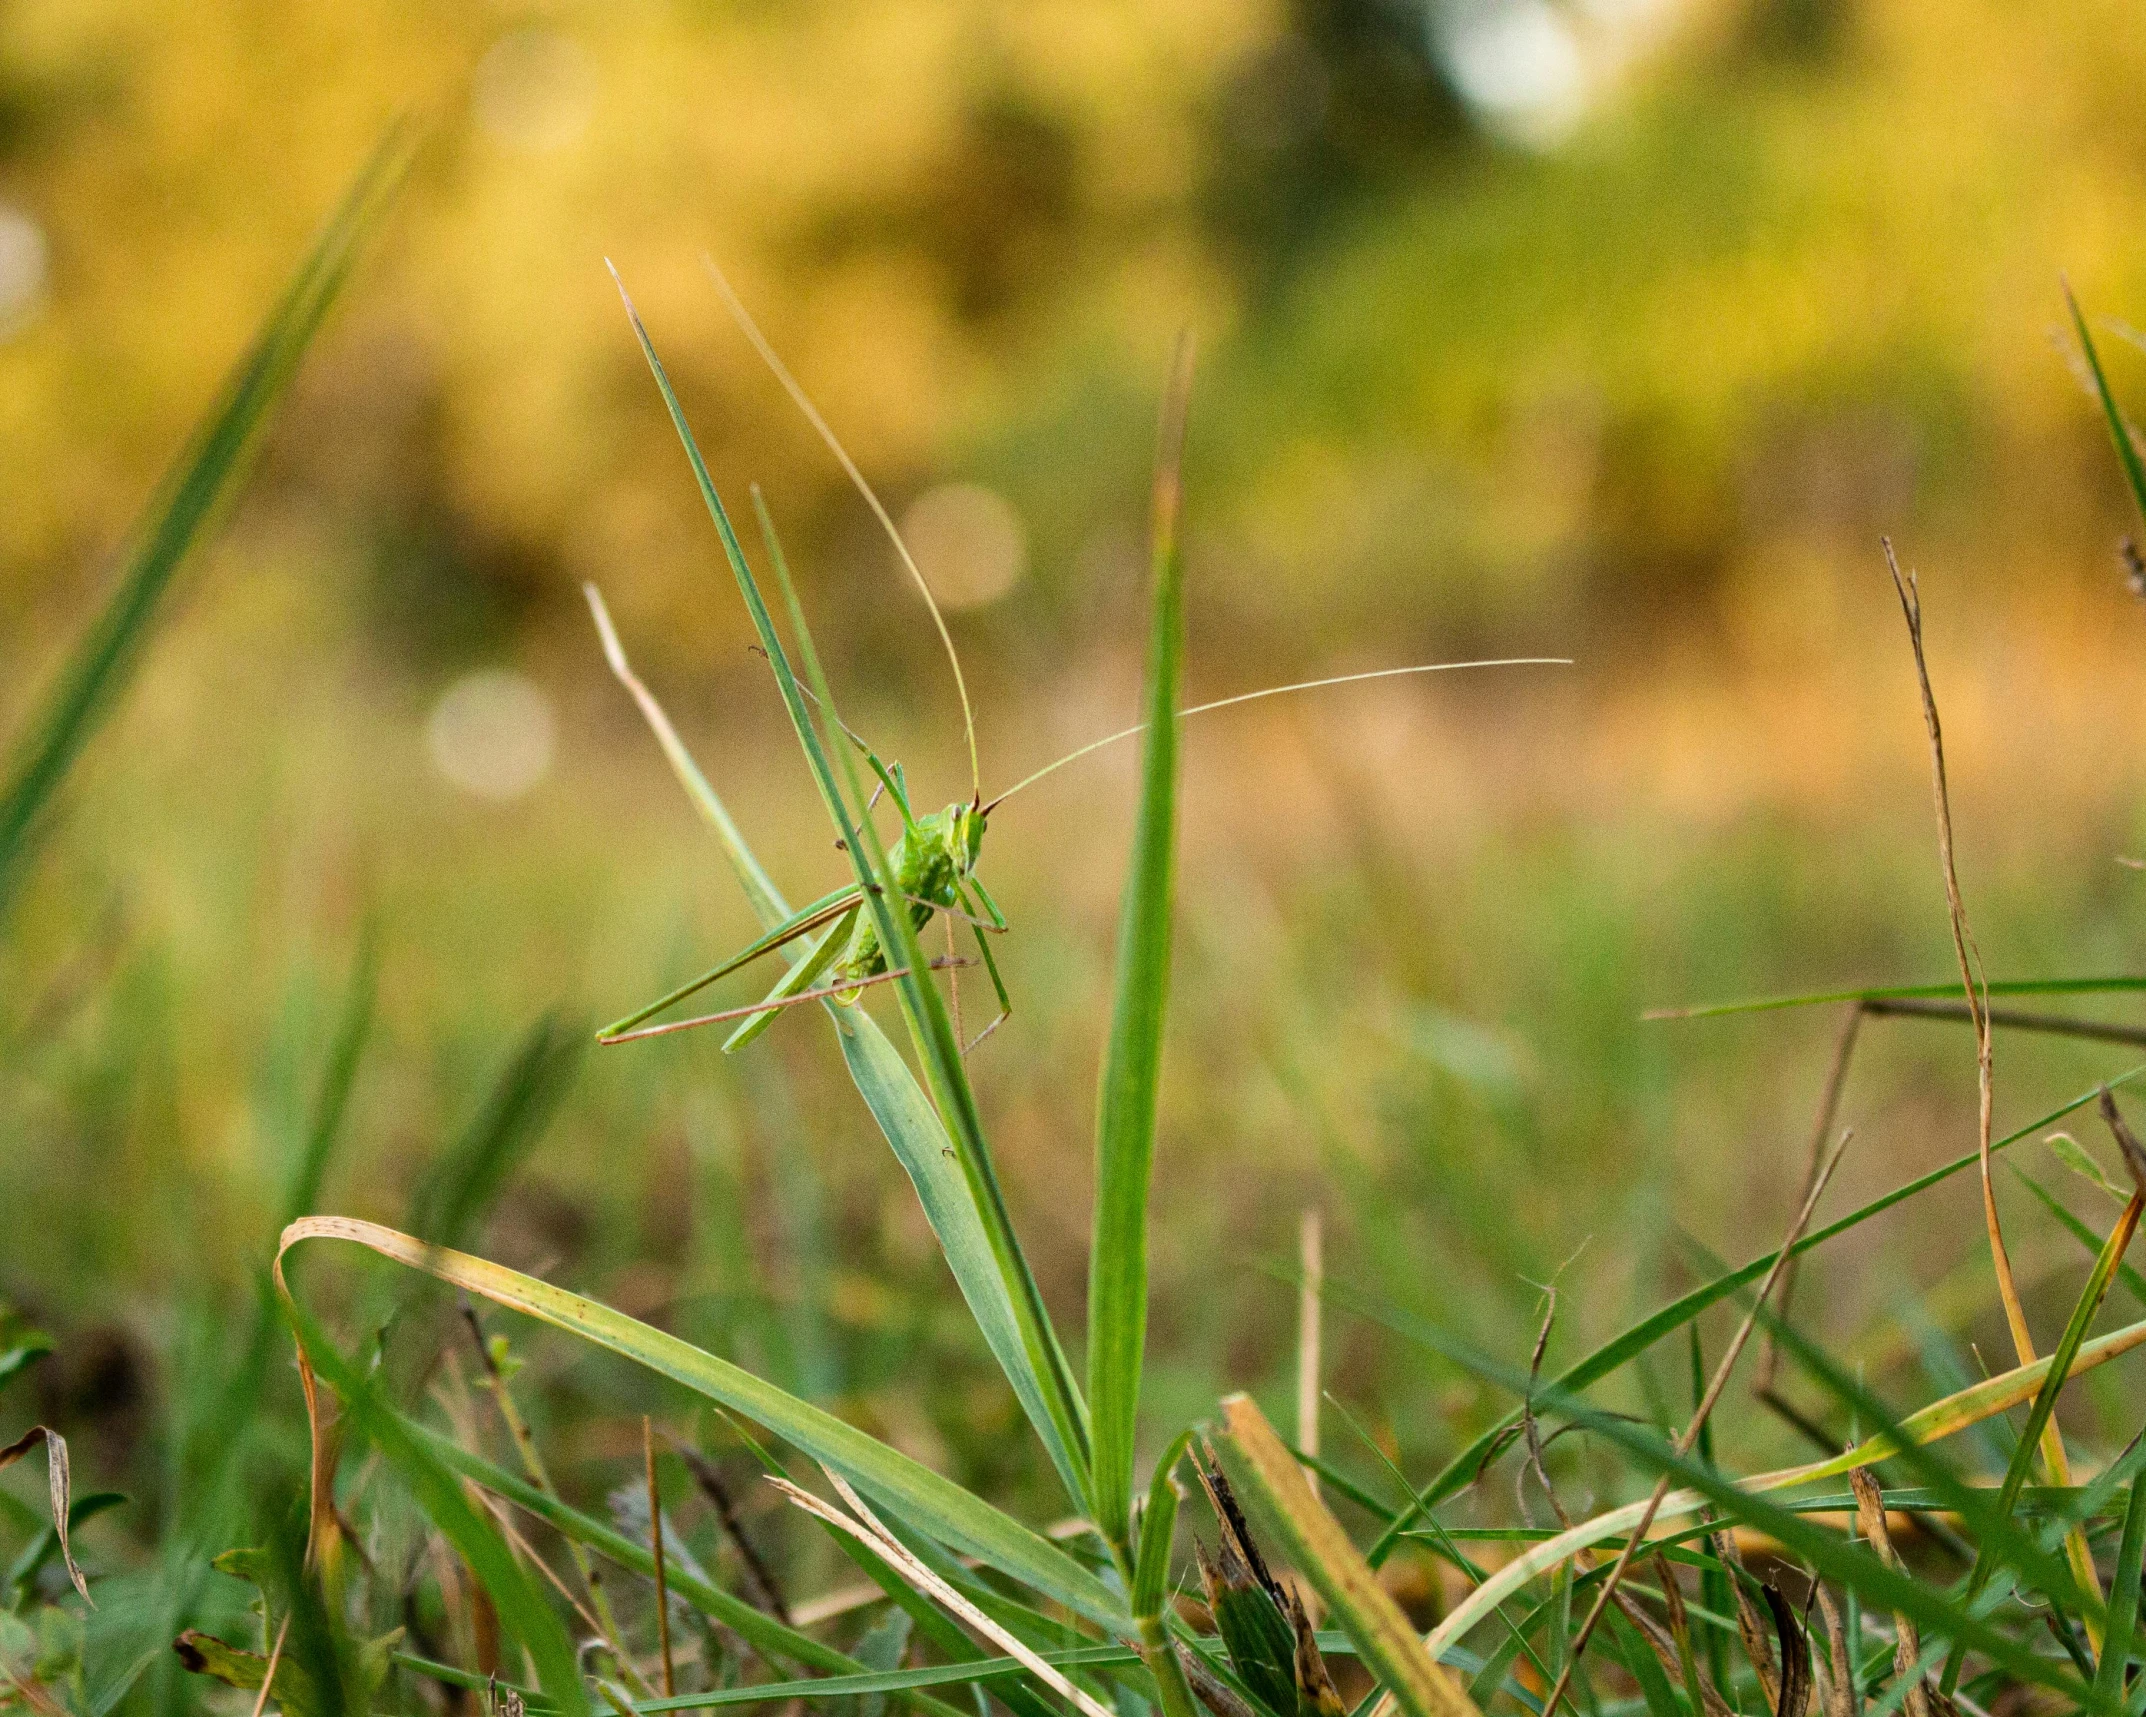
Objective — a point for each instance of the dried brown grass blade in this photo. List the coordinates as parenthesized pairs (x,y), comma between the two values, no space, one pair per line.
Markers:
(1841,1699)
(1750,1625)
(57,1481)
(1907,1646)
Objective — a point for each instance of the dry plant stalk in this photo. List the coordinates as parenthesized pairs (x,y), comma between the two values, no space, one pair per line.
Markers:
(2077,1550)
(1907,1649)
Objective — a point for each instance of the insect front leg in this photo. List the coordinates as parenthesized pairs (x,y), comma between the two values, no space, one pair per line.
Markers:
(997,918)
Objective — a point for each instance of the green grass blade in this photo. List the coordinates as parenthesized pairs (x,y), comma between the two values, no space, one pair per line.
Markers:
(1132,1063)
(931,1030)
(521,1608)
(1644,1668)
(2123,1599)
(1267,1475)
(519,1107)
(2127,452)
(185,506)
(1621,1349)
(1158,1525)
(1038,1369)
(920,1143)
(855,1685)
(1907,992)
(2133,1282)
(920,1496)
(890,1090)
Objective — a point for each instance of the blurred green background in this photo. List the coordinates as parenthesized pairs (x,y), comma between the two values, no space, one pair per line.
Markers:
(1616,329)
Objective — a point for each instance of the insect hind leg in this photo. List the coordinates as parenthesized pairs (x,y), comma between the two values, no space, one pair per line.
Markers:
(995,923)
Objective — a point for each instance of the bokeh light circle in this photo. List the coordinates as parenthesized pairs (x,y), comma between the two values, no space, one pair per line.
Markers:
(491,734)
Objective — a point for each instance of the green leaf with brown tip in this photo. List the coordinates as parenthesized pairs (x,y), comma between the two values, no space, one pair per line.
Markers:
(1266,1472)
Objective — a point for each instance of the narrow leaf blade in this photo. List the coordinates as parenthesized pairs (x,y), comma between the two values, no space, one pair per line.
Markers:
(193,493)
(1132,1064)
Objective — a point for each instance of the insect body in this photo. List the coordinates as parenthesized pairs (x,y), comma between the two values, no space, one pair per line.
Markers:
(934,865)
(933,862)
(933,858)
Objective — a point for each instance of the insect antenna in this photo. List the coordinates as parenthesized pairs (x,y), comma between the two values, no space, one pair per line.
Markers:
(1095,745)
(803,402)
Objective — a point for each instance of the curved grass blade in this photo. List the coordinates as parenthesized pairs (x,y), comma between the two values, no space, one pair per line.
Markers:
(931,1503)
(1905,992)
(931,1030)
(1038,1369)
(1132,1062)
(1268,1474)
(185,506)
(1621,1349)
(521,1607)
(890,1090)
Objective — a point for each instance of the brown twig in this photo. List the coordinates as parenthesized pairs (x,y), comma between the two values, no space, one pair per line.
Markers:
(1972,981)
(1683,1446)
(1969,956)
(756,1570)
(2057,1025)
(655,1550)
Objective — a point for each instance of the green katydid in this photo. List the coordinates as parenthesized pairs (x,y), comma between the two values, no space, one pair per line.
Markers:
(933,861)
